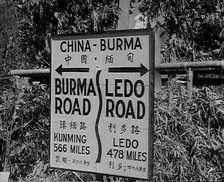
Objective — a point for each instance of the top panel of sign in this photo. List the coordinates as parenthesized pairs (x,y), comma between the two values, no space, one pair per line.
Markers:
(104,34)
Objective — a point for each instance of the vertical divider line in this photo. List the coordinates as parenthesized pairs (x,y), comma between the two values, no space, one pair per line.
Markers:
(98,117)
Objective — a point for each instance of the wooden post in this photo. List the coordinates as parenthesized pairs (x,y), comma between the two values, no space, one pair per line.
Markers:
(158,80)
(170,96)
(190,82)
(99,177)
(123,22)
(129,10)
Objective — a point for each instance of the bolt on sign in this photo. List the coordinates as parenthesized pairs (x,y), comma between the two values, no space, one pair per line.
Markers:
(102,103)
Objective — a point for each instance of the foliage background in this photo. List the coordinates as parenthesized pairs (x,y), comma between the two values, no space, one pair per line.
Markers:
(188,130)
(193,28)
(189,134)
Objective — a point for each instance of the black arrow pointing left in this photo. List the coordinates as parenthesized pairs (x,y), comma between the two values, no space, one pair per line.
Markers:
(61,70)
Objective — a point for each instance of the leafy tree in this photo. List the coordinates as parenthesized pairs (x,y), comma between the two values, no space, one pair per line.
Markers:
(42,19)
(8,28)
(195,27)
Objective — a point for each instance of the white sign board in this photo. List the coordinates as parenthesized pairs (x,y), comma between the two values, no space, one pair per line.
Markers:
(100,103)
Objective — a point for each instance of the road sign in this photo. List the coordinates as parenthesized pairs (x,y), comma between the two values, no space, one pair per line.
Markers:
(102,103)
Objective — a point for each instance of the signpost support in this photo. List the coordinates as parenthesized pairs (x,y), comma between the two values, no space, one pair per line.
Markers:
(190,82)
(152,53)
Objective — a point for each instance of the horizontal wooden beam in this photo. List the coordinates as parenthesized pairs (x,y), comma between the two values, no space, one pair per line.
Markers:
(186,65)
(31,72)
(163,68)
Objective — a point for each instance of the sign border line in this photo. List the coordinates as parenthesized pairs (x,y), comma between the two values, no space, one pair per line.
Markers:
(118,33)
